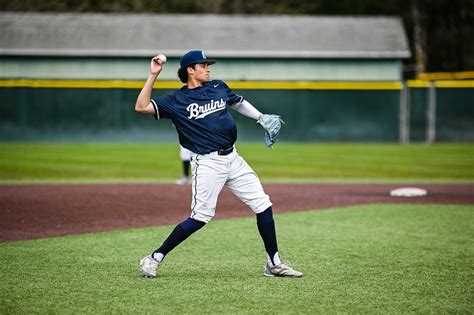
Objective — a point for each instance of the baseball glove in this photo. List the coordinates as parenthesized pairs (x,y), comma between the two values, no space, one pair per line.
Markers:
(272,125)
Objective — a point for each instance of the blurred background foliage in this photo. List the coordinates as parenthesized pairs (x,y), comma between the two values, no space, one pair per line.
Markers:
(440,32)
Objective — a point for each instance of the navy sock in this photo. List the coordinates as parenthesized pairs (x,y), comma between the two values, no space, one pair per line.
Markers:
(181,232)
(266,228)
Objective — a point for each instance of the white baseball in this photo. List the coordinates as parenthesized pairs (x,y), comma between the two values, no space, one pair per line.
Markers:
(162,58)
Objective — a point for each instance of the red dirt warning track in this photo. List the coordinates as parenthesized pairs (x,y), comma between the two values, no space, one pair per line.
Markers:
(37,211)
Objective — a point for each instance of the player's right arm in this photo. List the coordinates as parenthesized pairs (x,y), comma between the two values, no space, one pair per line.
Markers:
(143,103)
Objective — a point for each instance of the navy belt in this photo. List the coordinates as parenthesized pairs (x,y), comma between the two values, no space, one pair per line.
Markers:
(225,151)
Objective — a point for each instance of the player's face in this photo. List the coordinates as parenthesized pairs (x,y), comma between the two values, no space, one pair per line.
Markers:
(202,72)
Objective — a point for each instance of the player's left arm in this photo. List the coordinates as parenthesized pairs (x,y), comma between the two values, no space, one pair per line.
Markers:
(270,123)
(245,108)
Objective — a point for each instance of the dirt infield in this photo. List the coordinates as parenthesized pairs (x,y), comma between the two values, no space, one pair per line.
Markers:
(37,211)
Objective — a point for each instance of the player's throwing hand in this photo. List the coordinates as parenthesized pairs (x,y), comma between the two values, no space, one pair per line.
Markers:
(157,63)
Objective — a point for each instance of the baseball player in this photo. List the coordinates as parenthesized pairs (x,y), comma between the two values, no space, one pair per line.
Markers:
(185,156)
(200,110)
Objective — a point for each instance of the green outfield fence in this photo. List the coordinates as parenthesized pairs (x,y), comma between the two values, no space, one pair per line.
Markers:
(411,111)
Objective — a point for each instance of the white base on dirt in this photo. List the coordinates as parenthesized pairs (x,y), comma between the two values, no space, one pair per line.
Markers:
(408,192)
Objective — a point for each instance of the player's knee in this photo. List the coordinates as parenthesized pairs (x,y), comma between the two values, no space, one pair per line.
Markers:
(260,205)
(191,225)
(201,216)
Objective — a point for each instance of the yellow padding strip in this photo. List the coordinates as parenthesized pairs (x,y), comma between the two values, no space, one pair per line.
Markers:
(256,85)
(418,83)
(306,85)
(86,84)
(441,83)
(244,85)
(446,75)
(455,84)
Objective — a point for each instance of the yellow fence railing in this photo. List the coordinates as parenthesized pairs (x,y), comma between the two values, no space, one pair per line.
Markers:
(432,76)
(255,85)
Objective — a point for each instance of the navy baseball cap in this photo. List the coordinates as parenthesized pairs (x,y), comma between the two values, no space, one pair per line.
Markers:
(194,56)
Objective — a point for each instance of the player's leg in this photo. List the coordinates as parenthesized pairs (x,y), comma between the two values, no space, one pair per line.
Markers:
(266,228)
(186,168)
(149,264)
(185,156)
(209,176)
(208,179)
(245,184)
(181,232)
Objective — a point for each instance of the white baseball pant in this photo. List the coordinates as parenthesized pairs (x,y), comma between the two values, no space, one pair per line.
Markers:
(211,172)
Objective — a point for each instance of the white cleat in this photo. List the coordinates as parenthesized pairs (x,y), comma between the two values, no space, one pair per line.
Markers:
(281,270)
(149,266)
(183,181)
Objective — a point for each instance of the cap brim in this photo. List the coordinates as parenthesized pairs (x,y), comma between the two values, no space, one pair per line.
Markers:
(207,61)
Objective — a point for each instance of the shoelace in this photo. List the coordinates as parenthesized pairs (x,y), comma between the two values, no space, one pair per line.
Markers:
(154,264)
(282,265)
(286,268)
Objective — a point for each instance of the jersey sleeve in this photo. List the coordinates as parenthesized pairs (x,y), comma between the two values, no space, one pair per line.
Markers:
(163,106)
(234,98)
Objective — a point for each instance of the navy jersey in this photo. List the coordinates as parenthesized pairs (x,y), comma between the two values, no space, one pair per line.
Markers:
(201,116)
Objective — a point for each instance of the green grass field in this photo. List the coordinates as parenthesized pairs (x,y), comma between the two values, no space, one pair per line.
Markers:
(147,162)
(365,259)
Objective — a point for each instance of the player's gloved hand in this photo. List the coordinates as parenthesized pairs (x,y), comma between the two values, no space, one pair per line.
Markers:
(272,125)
